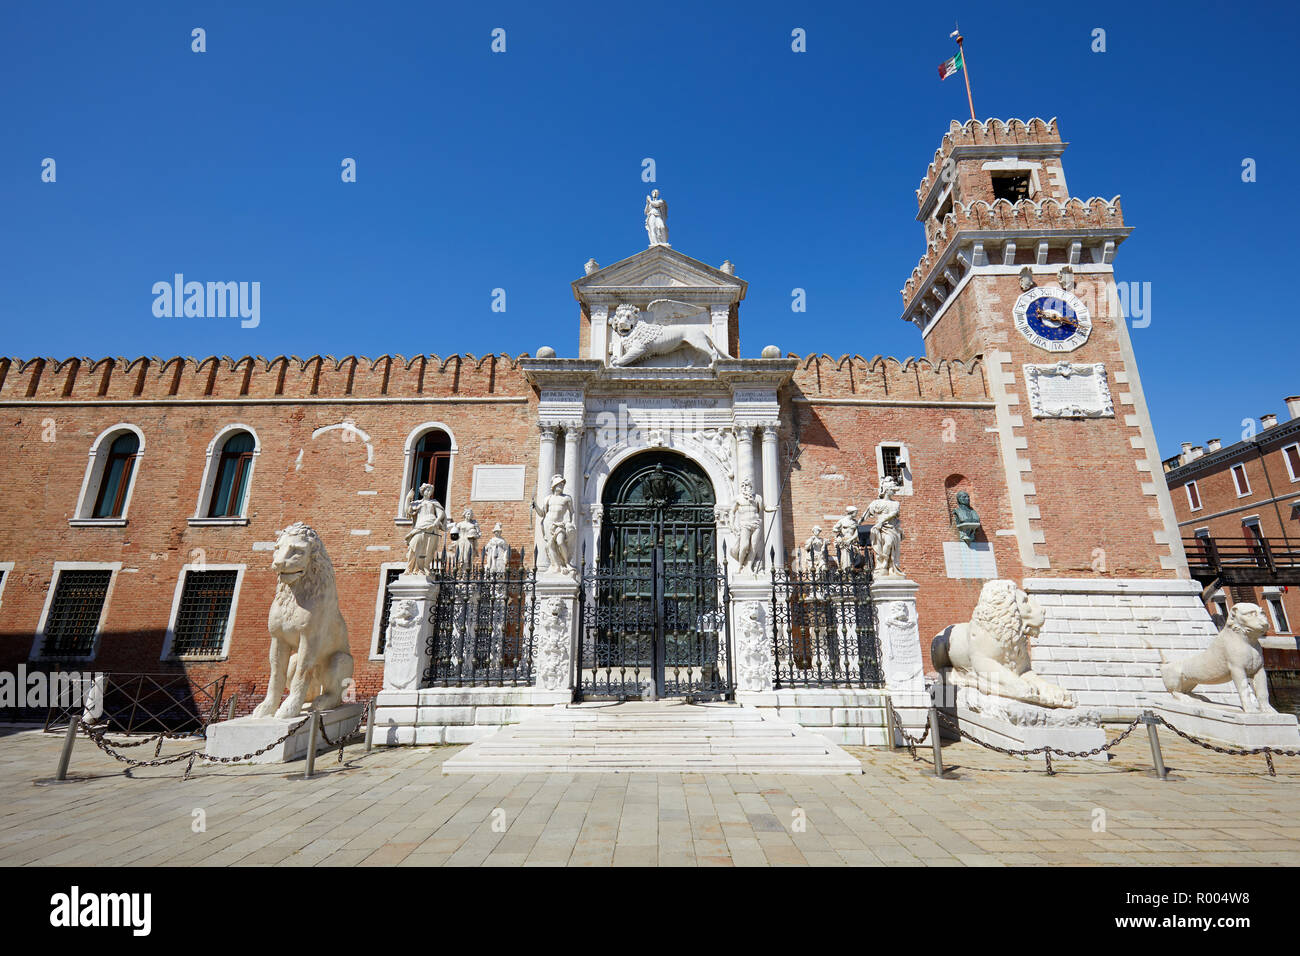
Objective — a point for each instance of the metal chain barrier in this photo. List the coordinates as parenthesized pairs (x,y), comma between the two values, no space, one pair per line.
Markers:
(1266,752)
(1047,751)
(111,747)
(911,743)
(190,755)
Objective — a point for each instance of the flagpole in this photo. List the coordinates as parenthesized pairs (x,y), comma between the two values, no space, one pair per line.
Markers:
(965,72)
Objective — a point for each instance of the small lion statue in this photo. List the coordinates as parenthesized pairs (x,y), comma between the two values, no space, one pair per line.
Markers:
(991,653)
(1234,655)
(309,639)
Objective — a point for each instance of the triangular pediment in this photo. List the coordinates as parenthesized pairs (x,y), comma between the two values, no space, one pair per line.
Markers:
(660,267)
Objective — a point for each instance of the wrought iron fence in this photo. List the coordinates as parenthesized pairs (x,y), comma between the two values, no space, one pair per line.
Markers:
(824,629)
(482,625)
(150,704)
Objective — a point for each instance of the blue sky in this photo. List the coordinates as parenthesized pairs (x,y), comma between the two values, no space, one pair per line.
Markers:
(478,171)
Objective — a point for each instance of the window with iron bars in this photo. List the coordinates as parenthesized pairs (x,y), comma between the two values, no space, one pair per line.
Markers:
(73,620)
(891,459)
(390,575)
(204,613)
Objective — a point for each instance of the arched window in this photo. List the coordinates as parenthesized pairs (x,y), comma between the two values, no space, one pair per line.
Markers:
(234,465)
(432,463)
(115,479)
(227,477)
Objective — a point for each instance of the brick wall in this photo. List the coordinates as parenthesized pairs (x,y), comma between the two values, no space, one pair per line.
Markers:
(344,486)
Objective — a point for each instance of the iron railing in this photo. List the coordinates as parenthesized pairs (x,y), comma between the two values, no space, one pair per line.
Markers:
(150,704)
(824,629)
(1261,561)
(482,626)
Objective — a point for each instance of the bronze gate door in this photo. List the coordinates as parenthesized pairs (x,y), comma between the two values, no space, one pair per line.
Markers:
(654,617)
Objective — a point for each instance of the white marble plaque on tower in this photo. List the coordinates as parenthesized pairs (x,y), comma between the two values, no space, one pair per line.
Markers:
(1069,390)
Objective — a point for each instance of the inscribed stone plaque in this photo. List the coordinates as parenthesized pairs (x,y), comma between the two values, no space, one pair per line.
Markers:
(974,560)
(498,483)
(1067,390)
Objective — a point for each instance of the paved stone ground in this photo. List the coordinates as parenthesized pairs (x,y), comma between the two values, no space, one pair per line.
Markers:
(393,806)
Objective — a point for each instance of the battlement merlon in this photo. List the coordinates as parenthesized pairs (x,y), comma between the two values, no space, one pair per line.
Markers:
(212,380)
(995,198)
(1033,138)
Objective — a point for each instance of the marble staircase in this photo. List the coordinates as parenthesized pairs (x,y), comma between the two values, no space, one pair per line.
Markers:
(665,736)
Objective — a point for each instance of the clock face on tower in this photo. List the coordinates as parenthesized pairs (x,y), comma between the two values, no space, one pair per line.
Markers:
(1053,319)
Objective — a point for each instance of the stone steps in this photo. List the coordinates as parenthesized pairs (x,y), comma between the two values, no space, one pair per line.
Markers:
(657,736)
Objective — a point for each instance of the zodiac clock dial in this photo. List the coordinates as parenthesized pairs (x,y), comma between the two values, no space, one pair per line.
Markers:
(1053,319)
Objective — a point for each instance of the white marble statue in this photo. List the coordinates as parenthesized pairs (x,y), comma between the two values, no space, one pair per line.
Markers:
(558,527)
(309,639)
(886,532)
(637,338)
(424,540)
(467,534)
(745,521)
(496,553)
(656,219)
(1234,655)
(991,653)
(845,533)
(814,556)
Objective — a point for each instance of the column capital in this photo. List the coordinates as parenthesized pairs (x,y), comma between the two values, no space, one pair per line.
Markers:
(745,431)
(548,431)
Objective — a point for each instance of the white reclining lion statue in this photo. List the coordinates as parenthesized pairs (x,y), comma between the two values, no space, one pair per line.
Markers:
(991,653)
(309,639)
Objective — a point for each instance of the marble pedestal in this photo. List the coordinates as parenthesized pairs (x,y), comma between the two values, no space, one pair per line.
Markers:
(1227,726)
(556,631)
(900,652)
(1016,725)
(234,738)
(406,643)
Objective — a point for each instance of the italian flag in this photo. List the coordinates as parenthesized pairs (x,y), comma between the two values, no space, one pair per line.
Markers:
(949,67)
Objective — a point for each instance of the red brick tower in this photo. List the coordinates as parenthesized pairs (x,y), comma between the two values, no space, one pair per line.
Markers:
(1020,272)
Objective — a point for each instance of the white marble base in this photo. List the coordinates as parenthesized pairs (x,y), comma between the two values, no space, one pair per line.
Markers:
(455,715)
(1228,726)
(234,738)
(1103,638)
(1020,726)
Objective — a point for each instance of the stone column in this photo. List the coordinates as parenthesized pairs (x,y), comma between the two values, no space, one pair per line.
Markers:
(555,636)
(545,472)
(900,651)
(406,657)
(744,454)
(772,495)
(572,456)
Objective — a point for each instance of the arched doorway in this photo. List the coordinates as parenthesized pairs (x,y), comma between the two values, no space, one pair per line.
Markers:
(654,609)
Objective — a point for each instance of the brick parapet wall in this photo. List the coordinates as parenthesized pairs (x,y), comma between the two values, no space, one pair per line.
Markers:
(991,132)
(289,377)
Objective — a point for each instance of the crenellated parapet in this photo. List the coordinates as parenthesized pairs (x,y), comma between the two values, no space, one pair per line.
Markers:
(256,377)
(1041,218)
(885,379)
(991,132)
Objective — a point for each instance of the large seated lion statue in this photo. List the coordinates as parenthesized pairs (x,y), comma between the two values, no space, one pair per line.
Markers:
(991,653)
(309,639)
